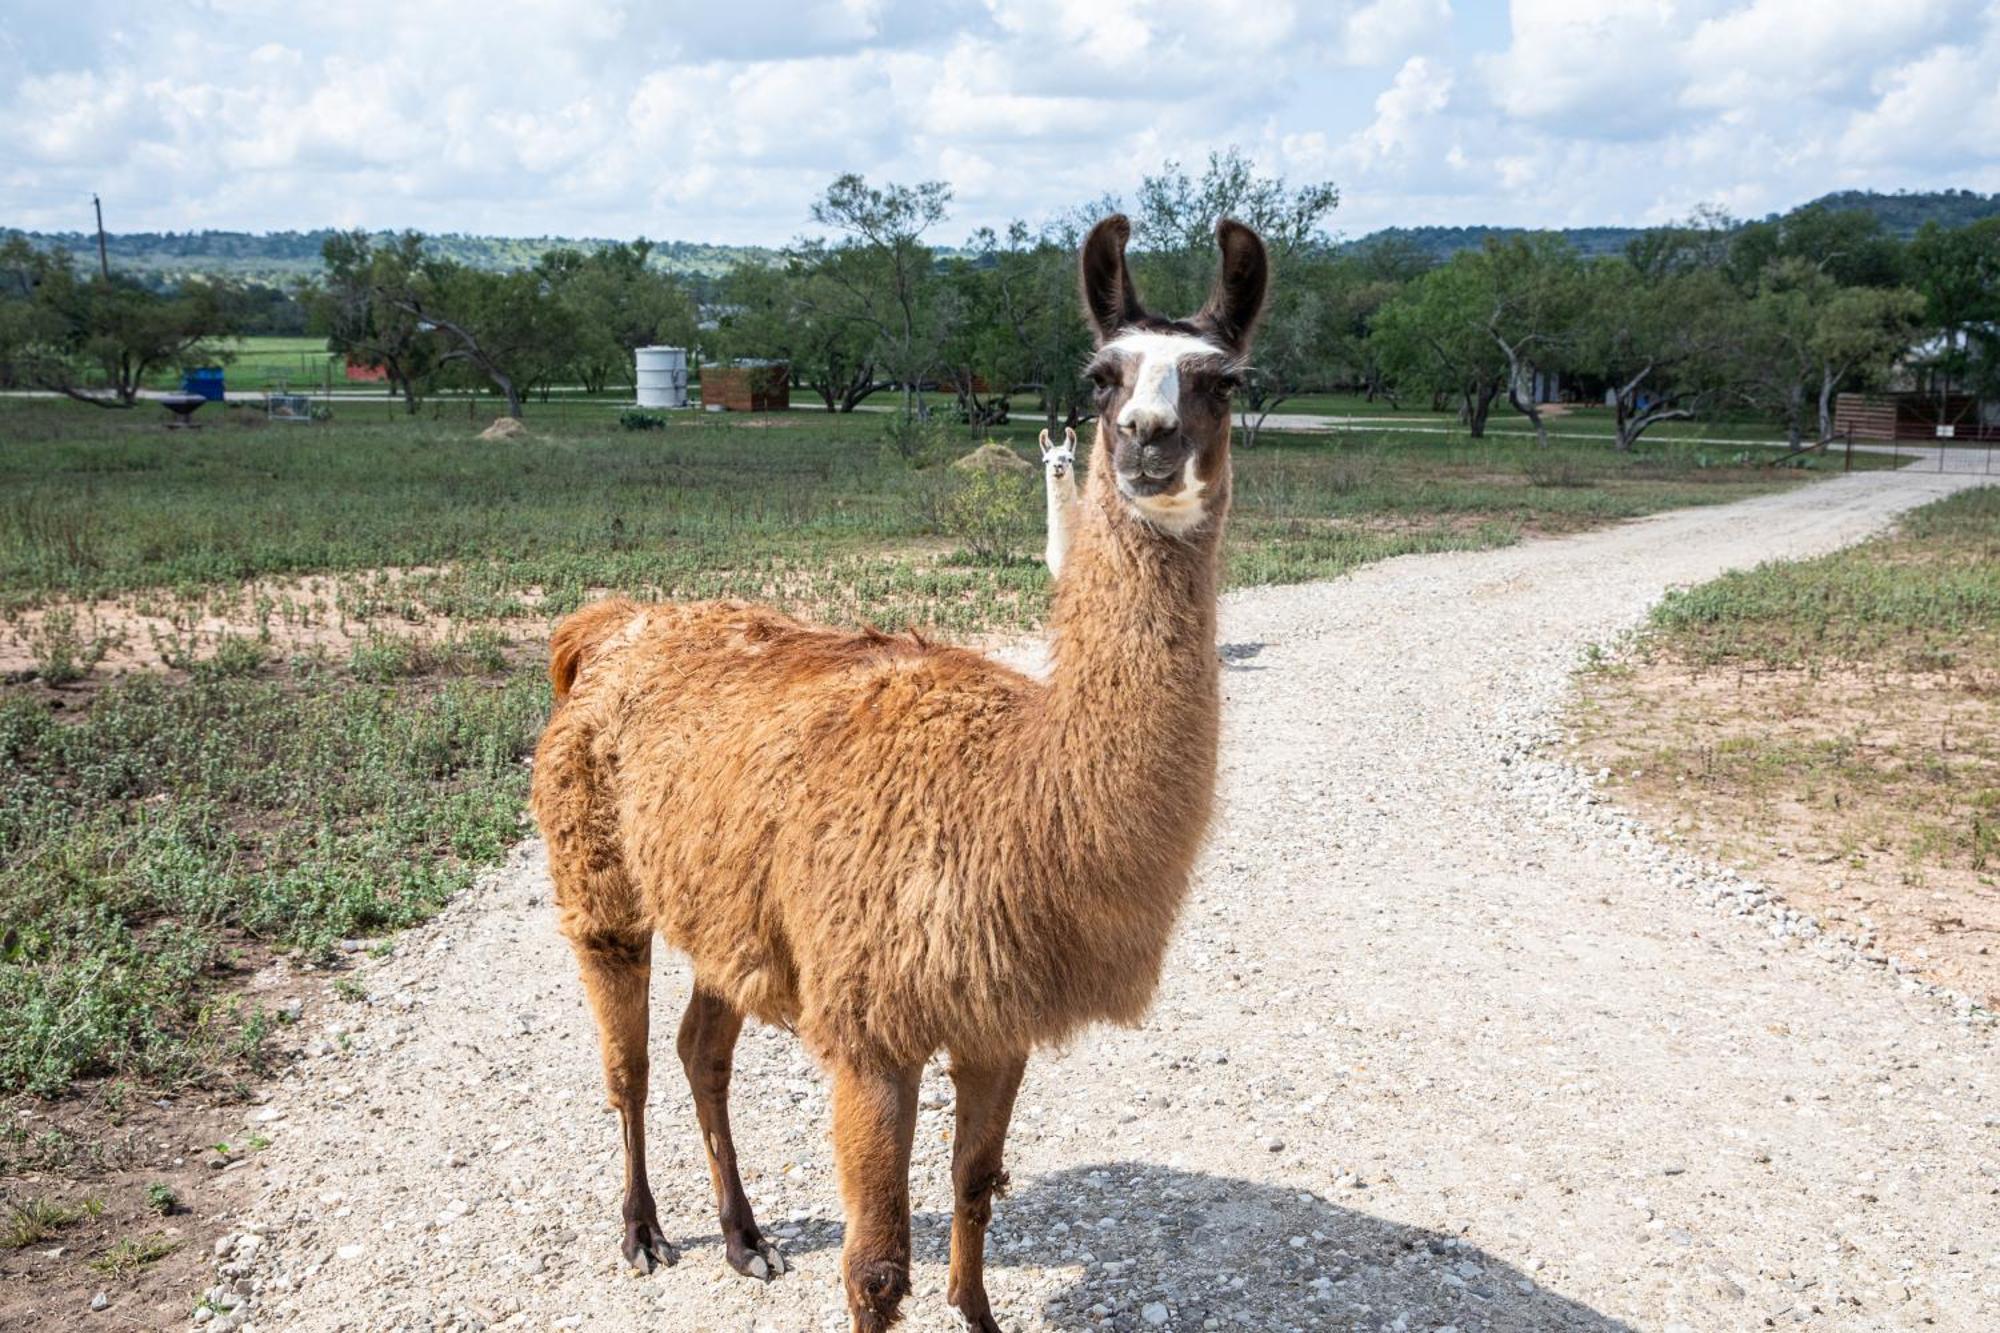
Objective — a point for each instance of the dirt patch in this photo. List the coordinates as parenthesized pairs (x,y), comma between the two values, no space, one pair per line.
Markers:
(162,630)
(124,1192)
(1868,798)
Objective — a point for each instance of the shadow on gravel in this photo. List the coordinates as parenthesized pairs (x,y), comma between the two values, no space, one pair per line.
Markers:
(1210,1247)
(1235,656)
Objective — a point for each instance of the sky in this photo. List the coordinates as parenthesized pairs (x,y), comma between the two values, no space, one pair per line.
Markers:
(721,121)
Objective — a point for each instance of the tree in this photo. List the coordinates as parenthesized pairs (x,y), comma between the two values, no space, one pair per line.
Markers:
(1847,245)
(618,304)
(1534,292)
(1661,341)
(1434,337)
(1029,284)
(1803,334)
(505,328)
(1175,238)
(886,278)
(1956,272)
(64,330)
(349,308)
(796,311)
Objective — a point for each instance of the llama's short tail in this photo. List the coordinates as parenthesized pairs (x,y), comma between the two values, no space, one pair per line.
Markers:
(580,635)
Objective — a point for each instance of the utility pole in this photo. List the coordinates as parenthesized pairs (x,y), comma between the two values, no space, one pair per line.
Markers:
(103,258)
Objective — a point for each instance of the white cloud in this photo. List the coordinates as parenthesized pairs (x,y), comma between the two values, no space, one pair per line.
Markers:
(603,117)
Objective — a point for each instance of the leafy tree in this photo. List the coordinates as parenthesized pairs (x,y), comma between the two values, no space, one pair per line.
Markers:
(796,311)
(1661,341)
(619,303)
(350,308)
(884,276)
(1850,247)
(1175,238)
(505,328)
(1433,337)
(62,330)
(1956,272)
(1804,334)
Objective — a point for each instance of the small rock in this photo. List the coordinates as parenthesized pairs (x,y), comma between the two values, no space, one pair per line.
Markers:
(100,1302)
(350,1251)
(1274,1144)
(1154,1313)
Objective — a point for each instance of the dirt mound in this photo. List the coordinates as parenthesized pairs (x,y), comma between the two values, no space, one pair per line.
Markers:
(995,457)
(504,428)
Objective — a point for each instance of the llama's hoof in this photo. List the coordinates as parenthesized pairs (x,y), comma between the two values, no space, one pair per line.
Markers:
(753,1256)
(974,1310)
(646,1247)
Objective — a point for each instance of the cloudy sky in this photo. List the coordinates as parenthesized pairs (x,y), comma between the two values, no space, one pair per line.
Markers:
(721,120)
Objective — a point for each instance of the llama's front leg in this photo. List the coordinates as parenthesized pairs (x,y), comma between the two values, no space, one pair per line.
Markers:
(985,1105)
(874,1120)
(617,969)
(707,1047)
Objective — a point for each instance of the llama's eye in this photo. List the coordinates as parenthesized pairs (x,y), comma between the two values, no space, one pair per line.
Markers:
(1227,384)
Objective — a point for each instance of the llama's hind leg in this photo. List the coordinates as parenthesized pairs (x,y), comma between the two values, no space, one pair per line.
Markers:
(874,1121)
(707,1046)
(985,1106)
(617,970)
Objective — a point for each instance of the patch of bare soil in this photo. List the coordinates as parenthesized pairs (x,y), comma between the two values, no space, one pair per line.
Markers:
(1869,798)
(124,1192)
(161,630)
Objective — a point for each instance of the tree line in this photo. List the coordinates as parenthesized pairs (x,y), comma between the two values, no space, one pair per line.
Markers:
(1703,317)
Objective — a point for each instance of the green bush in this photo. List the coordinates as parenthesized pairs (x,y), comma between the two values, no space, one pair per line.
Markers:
(638,418)
(989,512)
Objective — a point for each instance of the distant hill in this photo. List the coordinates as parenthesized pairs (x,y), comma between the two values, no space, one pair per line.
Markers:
(1902,214)
(282,257)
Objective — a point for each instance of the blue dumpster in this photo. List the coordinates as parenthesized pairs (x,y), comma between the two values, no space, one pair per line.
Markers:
(205,381)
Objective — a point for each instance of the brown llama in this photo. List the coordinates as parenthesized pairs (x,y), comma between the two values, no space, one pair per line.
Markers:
(895,847)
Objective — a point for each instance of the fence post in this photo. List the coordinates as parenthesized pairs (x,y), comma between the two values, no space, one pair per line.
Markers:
(1847,463)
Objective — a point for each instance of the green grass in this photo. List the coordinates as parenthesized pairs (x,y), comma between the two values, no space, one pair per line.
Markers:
(176,825)
(163,833)
(1924,591)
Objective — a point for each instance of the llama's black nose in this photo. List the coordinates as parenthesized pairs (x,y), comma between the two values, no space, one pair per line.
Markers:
(1158,459)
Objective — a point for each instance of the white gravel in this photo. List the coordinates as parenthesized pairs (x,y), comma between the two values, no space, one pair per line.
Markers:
(1442,1044)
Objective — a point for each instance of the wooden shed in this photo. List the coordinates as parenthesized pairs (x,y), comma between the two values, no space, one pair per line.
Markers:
(763,386)
(1927,417)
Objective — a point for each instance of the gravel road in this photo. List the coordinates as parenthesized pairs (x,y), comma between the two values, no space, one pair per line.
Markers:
(1441,1043)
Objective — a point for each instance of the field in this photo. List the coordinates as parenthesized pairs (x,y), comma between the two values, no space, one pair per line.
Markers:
(268,688)
(1831,723)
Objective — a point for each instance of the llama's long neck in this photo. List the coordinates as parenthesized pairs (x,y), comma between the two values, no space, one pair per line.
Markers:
(1134,691)
(1062,500)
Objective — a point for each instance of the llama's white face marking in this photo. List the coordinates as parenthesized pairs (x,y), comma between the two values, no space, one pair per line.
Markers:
(1155,405)
(1153,410)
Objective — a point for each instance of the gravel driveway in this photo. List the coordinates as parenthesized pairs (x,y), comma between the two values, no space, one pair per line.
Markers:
(1440,1044)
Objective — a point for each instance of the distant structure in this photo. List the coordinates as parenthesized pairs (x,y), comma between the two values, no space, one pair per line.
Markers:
(747,386)
(661,374)
(1916,416)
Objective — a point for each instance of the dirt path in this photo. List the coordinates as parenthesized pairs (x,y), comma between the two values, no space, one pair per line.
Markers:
(1438,1045)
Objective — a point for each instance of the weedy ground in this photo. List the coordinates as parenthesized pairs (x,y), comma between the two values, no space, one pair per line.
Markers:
(1835,724)
(268,688)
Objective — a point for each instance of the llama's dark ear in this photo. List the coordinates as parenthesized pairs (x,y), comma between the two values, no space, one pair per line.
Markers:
(1108,295)
(1236,302)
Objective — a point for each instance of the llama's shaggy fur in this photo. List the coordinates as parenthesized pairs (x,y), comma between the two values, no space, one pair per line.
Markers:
(893,846)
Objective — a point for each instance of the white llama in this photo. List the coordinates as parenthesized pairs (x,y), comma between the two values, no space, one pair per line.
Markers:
(1059,473)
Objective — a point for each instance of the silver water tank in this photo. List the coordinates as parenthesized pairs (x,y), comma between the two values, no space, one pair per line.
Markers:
(662,376)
